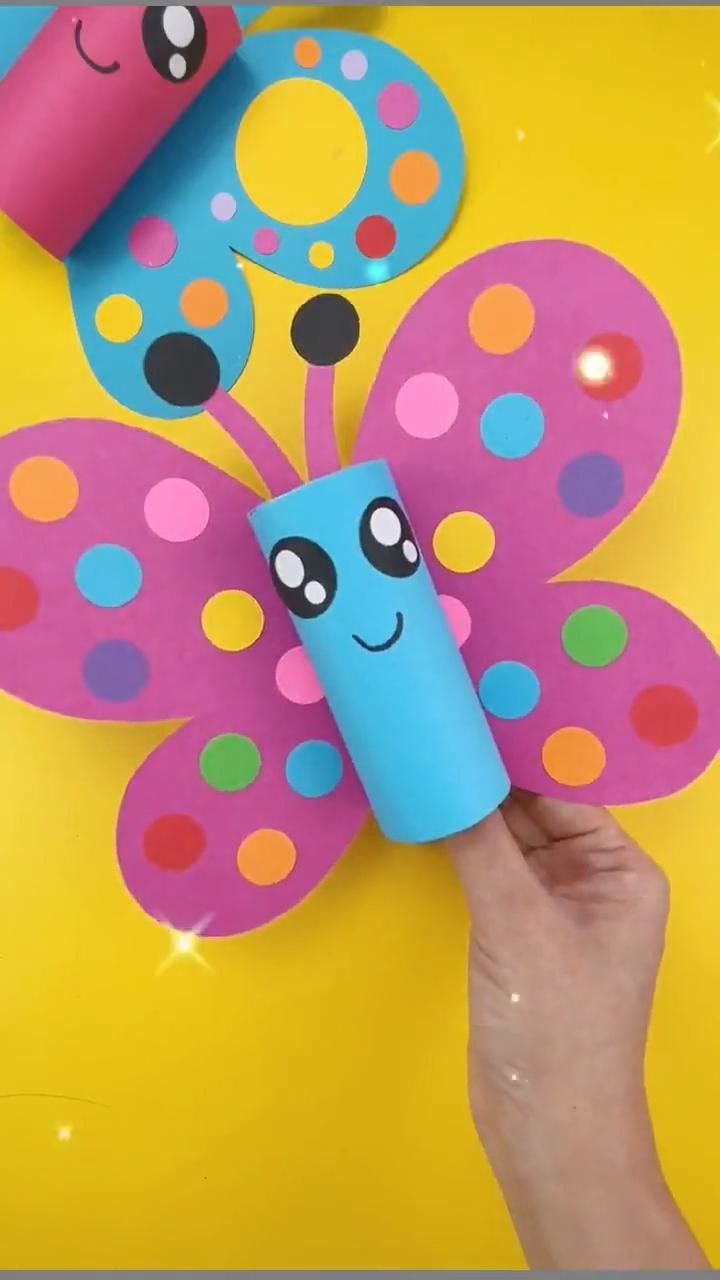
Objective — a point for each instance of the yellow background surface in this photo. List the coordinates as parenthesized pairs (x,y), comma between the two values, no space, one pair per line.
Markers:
(302,1100)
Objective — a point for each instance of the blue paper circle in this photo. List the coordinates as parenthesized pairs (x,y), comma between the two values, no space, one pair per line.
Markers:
(512,426)
(108,576)
(314,769)
(509,690)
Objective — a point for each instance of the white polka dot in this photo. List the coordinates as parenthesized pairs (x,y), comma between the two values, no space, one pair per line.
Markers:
(289,568)
(410,551)
(178,26)
(178,66)
(385,527)
(315,593)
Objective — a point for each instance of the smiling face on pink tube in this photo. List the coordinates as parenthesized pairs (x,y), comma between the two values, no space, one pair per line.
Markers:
(90,98)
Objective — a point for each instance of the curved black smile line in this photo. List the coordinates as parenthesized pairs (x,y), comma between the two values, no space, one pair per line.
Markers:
(96,66)
(386,644)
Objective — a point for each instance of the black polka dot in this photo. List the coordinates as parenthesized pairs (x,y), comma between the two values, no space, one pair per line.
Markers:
(182,369)
(325,329)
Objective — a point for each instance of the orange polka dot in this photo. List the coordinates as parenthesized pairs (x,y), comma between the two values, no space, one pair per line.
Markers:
(415,177)
(501,319)
(204,303)
(266,857)
(573,757)
(307,52)
(44,489)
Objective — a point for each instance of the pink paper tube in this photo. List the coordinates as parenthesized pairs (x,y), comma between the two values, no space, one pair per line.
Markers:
(89,99)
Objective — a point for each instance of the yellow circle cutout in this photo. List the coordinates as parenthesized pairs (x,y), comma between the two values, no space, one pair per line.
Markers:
(266,857)
(44,489)
(232,620)
(301,152)
(321,255)
(119,318)
(464,541)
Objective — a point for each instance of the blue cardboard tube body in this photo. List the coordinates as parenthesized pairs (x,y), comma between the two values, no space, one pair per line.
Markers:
(344,560)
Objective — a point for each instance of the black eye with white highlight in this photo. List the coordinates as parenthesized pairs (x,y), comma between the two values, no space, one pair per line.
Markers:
(387,539)
(304,576)
(175,39)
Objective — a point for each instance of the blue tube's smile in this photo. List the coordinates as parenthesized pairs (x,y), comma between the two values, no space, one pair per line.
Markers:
(386,644)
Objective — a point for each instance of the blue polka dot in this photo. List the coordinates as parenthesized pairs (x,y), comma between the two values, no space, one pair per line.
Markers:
(116,671)
(512,426)
(509,690)
(108,576)
(314,769)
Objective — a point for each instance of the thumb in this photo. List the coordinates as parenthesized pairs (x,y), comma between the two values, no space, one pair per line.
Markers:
(499,886)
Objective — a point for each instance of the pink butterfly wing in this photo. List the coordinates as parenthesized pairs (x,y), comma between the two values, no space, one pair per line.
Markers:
(595,692)
(223,861)
(493,386)
(128,633)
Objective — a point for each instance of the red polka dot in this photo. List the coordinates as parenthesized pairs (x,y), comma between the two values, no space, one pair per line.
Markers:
(376,236)
(18,599)
(174,842)
(624,366)
(664,715)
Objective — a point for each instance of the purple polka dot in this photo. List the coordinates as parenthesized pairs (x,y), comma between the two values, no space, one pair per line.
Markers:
(354,65)
(591,485)
(116,671)
(398,105)
(223,206)
(153,242)
(266,241)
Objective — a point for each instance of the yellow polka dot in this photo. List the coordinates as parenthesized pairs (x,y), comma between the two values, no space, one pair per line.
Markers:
(301,152)
(44,489)
(321,255)
(119,318)
(266,857)
(464,541)
(232,620)
(573,757)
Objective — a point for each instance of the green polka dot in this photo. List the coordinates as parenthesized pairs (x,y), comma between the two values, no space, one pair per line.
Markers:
(230,762)
(595,636)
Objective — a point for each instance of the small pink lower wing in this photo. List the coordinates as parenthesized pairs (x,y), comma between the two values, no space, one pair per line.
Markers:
(596,692)
(238,816)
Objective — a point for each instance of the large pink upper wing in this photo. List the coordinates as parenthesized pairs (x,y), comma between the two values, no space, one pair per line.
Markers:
(539,385)
(131,586)
(525,406)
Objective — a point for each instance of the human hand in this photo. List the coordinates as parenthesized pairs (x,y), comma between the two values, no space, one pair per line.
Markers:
(568,921)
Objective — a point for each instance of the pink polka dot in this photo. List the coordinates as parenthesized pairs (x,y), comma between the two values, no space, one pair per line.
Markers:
(296,679)
(427,405)
(398,105)
(458,617)
(266,241)
(177,510)
(153,242)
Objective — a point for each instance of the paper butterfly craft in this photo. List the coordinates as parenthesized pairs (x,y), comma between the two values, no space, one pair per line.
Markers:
(525,406)
(164,264)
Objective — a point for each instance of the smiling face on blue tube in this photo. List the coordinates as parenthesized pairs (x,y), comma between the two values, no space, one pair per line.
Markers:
(345,562)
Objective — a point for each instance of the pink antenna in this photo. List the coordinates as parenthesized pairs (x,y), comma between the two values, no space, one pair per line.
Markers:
(320,442)
(276,470)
